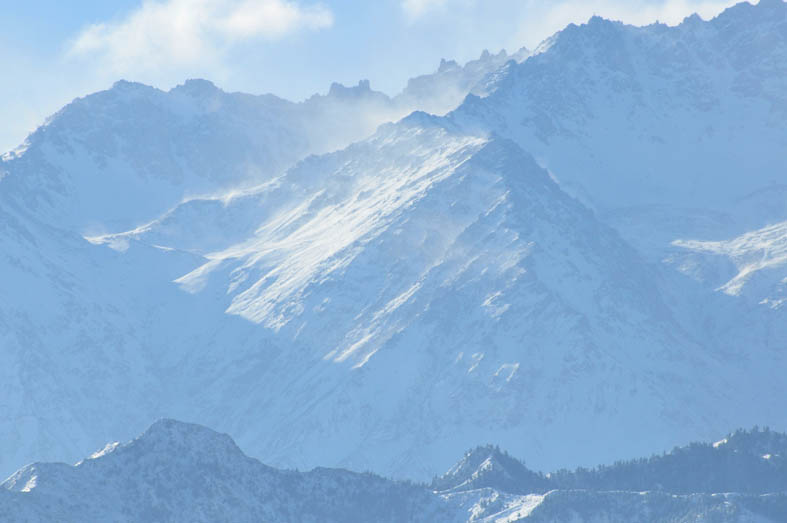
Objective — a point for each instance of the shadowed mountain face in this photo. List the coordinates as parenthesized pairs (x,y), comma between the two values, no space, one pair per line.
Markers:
(492,275)
(182,472)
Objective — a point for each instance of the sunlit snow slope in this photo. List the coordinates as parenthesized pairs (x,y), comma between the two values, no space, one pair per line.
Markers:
(415,320)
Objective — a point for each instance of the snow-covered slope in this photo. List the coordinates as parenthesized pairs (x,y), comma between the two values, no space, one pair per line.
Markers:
(669,131)
(751,270)
(489,467)
(669,134)
(753,265)
(407,308)
(382,307)
(80,339)
(81,326)
(183,472)
(120,157)
(178,472)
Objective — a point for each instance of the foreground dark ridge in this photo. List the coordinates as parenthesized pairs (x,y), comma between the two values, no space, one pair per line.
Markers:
(183,472)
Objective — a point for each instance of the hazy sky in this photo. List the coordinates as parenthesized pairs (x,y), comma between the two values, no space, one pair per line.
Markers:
(52,51)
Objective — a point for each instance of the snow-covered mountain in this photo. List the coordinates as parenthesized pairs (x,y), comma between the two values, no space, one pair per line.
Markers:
(342,282)
(674,136)
(669,132)
(362,261)
(183,472)
(488,467)
(432,285)
(118,158)
(115,159)
(72,313)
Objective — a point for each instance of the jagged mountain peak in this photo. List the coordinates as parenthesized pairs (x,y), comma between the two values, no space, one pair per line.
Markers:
(603,77)
(746,12)
(128,86)
(420,119)
(169,435)
(597,22)
(363,88)
(173,444)
(692,19)
(447,65)
(737,17)
(489,467)
(167,443)
(445,89)
(197,88)
(150,480)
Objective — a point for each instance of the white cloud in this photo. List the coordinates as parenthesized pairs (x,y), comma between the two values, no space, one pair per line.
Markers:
(417,8)
(180,33)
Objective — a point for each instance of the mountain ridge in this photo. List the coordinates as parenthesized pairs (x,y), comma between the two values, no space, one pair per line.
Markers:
(178,471)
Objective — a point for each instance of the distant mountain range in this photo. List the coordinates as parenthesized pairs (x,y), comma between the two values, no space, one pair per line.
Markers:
(119,157)
(588,238)
(182,472)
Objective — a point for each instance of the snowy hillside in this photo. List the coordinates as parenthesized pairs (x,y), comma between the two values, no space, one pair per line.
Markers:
(182,472)
(489,467)
(358,264)
(674,136)
(670,132)
(753,265)
(118,158)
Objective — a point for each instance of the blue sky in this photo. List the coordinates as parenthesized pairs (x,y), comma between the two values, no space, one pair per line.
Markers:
(52,51)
